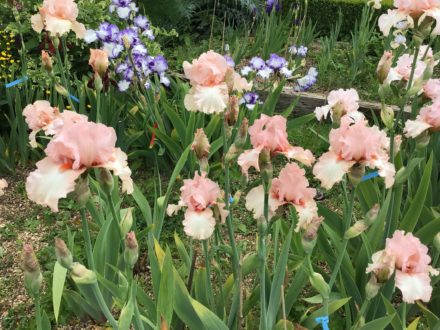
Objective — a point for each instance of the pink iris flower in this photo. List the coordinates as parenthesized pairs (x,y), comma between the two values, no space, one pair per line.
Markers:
(212,80)
(409,11)
(202,199)
(432,89)
(428,119)
(354,142)
(58,17)
(340,103)
(408,257)
(291,187)
(77,145)
(270,133)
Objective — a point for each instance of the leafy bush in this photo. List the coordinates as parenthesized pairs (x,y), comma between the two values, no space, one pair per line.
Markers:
(323,13)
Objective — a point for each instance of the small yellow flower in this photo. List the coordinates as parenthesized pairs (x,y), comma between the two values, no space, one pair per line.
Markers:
(48,92)
(68,107)
(89,106)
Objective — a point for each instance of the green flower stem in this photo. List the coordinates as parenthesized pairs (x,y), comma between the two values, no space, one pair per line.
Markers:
(103,305)
(138,325)
(262,227)
(86,233)
(137,320)
(63,77)
(98,106)
(208,274)
(362,311)
(341,255)
(228,206)
(235,262)
(38,318)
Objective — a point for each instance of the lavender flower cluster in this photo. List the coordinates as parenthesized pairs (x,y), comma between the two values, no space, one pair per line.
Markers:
(300,51)
(138,63)
(265,69)
(278,64)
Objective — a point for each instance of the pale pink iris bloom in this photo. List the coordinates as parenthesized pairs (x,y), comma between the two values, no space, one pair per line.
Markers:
(432,89)
(428,119)
(270,133)
(340,103)
(41,116)
(58,17)
(409,11)
(212,80)
(408,257)
(202,198)
(76,146)
(403,68)
(291,187)
(354,142)
(3,186)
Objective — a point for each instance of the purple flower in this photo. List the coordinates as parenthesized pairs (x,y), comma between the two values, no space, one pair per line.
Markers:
(122,67)
(141,22)
(108,32)
(159,64)
(265,73)
(271,4)
(257,63)
(276,62)
(149,33)
(139,49)
(286,72)
(113,49)
(121,3)
(164,80)
(123,8)
(293,50)
(229,60)
(302,51)
(246,70)
(129,35)
(250,99)
(142,64)
(307,81)
(123,85)
(90,36)
(128,74)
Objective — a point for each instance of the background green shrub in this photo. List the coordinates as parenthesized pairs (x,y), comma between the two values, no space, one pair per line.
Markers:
(324,13)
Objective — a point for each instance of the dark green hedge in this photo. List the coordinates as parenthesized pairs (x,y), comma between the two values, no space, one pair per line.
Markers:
(324,13)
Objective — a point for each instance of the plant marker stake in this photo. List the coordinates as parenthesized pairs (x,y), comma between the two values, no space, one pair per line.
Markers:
(16,82)
(370,176)
(323,320)
(74,98)
(231,199)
